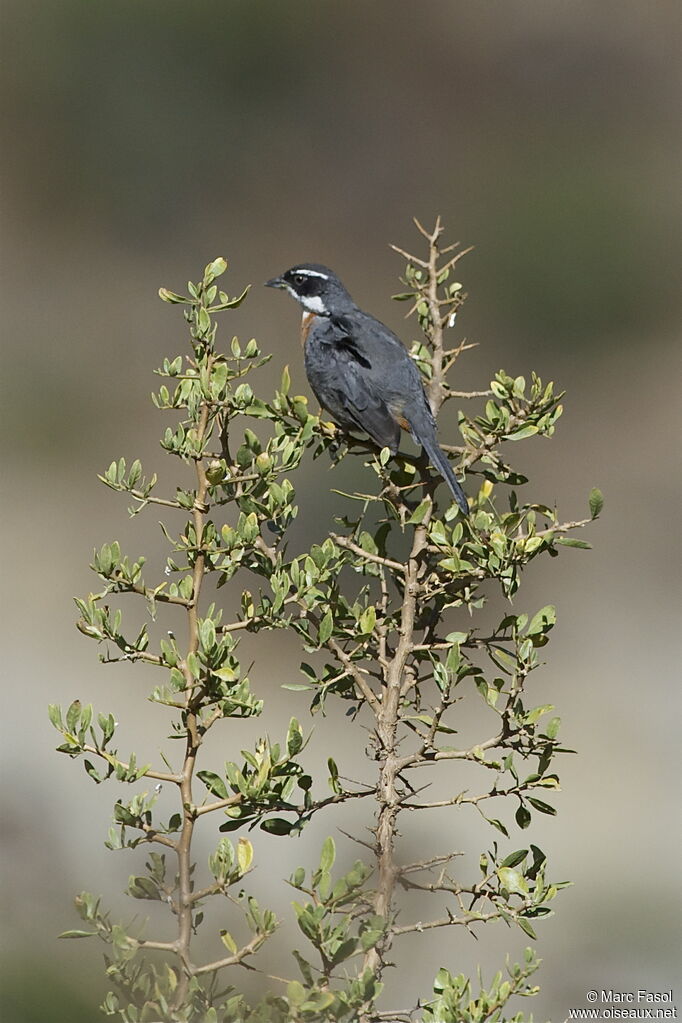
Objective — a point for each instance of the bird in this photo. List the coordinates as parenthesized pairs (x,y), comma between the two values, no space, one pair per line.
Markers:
(359,371)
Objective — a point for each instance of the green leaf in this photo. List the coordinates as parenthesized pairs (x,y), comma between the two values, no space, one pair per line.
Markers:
(525,926)
(91,770)
(420,512)
(596,502)
(368,939)
(552,728)
(525,431)
(276,826)
(304,967)
(214,783)
(456,637)
(326,626)
(294,738)
(328,854)
(169,296)
(234,825)
(318,1002)
(233,303)
(512,880)
(298,877)
(368,620)
(514,858)
(73,715)
(537,712)
(344,951)
(450,564)
(542,621)
(244,854)
(54,712)
(143,888)
(568,541)
(541,806)
(77,934)
(229,942)
(204,320)
(523,816)
(215,269)
(452,661)
(296,993)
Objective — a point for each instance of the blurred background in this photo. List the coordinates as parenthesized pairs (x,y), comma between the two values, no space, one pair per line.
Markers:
(141,140)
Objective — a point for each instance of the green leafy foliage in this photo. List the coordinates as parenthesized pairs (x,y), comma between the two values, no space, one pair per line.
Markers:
(384,607)
(456,1003)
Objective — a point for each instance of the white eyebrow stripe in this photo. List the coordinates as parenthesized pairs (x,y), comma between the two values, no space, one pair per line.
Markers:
(312,273)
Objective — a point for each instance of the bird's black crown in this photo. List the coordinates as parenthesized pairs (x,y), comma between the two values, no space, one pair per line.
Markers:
(315,286)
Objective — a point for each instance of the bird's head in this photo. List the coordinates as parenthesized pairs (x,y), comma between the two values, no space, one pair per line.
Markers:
(316,287)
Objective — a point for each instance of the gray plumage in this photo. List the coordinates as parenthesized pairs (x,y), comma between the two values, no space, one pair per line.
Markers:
(360,371)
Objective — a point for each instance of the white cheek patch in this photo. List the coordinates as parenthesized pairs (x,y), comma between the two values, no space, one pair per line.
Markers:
(313,303)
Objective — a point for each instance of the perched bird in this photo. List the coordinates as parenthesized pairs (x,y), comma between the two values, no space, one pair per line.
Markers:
(360,371)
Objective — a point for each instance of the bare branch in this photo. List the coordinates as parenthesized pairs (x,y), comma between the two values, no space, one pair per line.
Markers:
(193,740)
(220,804)
(447,921)
(350,545)
(162,946)
(234,960)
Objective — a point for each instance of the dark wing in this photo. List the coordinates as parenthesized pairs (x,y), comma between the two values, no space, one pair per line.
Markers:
(396,383)
(368,410)
(344,340)
(356,386)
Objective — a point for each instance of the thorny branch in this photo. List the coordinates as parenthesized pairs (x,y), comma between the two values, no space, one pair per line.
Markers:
(193,741)
(398,675)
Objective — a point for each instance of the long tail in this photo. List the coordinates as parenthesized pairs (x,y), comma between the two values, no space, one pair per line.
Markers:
(440,462)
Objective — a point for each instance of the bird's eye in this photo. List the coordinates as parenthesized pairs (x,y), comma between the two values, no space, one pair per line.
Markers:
(299,279)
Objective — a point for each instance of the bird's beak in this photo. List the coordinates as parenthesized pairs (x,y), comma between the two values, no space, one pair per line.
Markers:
(276,282)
